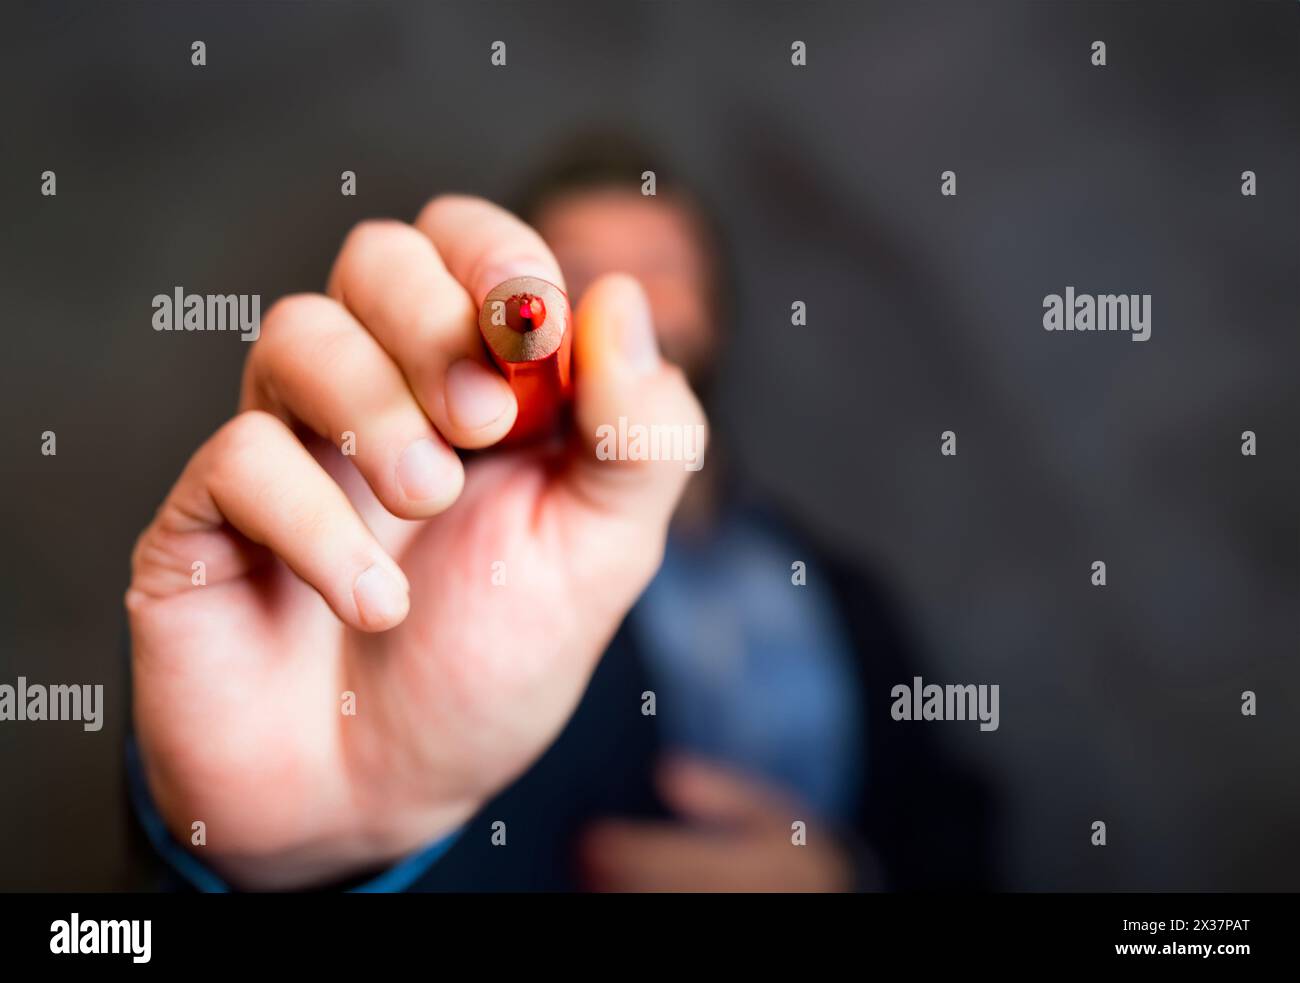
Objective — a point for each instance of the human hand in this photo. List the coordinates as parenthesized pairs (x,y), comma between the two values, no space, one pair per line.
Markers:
(373,574)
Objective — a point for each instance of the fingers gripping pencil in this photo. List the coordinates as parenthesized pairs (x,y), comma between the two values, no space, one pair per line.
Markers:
(525,323)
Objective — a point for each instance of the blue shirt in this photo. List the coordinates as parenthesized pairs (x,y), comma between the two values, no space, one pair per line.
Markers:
(752,670)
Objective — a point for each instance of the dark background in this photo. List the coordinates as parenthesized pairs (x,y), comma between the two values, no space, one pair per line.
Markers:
(1121,704)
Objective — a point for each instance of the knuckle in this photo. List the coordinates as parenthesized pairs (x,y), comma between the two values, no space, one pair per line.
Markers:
(287,318)
(448,202)
(294,310)
(371,242)
(285,333)
(371,248)
(371,233)
(241,442)
(142,540)
(138,554)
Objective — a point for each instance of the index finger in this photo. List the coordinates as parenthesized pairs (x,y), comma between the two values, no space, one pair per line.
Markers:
(482,244)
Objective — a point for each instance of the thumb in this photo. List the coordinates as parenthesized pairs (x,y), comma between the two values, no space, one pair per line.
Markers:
(641,429)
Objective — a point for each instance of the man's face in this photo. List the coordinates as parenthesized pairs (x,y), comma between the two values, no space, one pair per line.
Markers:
(656,239)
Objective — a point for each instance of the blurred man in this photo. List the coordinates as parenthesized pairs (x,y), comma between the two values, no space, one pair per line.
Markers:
(762,687)
(735,735)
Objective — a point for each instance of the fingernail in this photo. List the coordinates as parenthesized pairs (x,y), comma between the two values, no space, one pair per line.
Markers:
(636,333)
(380,597)
(423,471)
(476,396)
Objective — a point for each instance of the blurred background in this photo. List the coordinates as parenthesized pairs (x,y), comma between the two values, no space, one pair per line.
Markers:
(924,315)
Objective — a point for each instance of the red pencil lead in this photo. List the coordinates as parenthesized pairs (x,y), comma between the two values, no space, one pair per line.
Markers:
(531,349)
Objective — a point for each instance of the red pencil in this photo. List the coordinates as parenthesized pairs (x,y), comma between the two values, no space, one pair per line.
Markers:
(525,323)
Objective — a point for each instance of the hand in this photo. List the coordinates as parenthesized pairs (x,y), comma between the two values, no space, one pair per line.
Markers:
(329,574)
(736,836)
